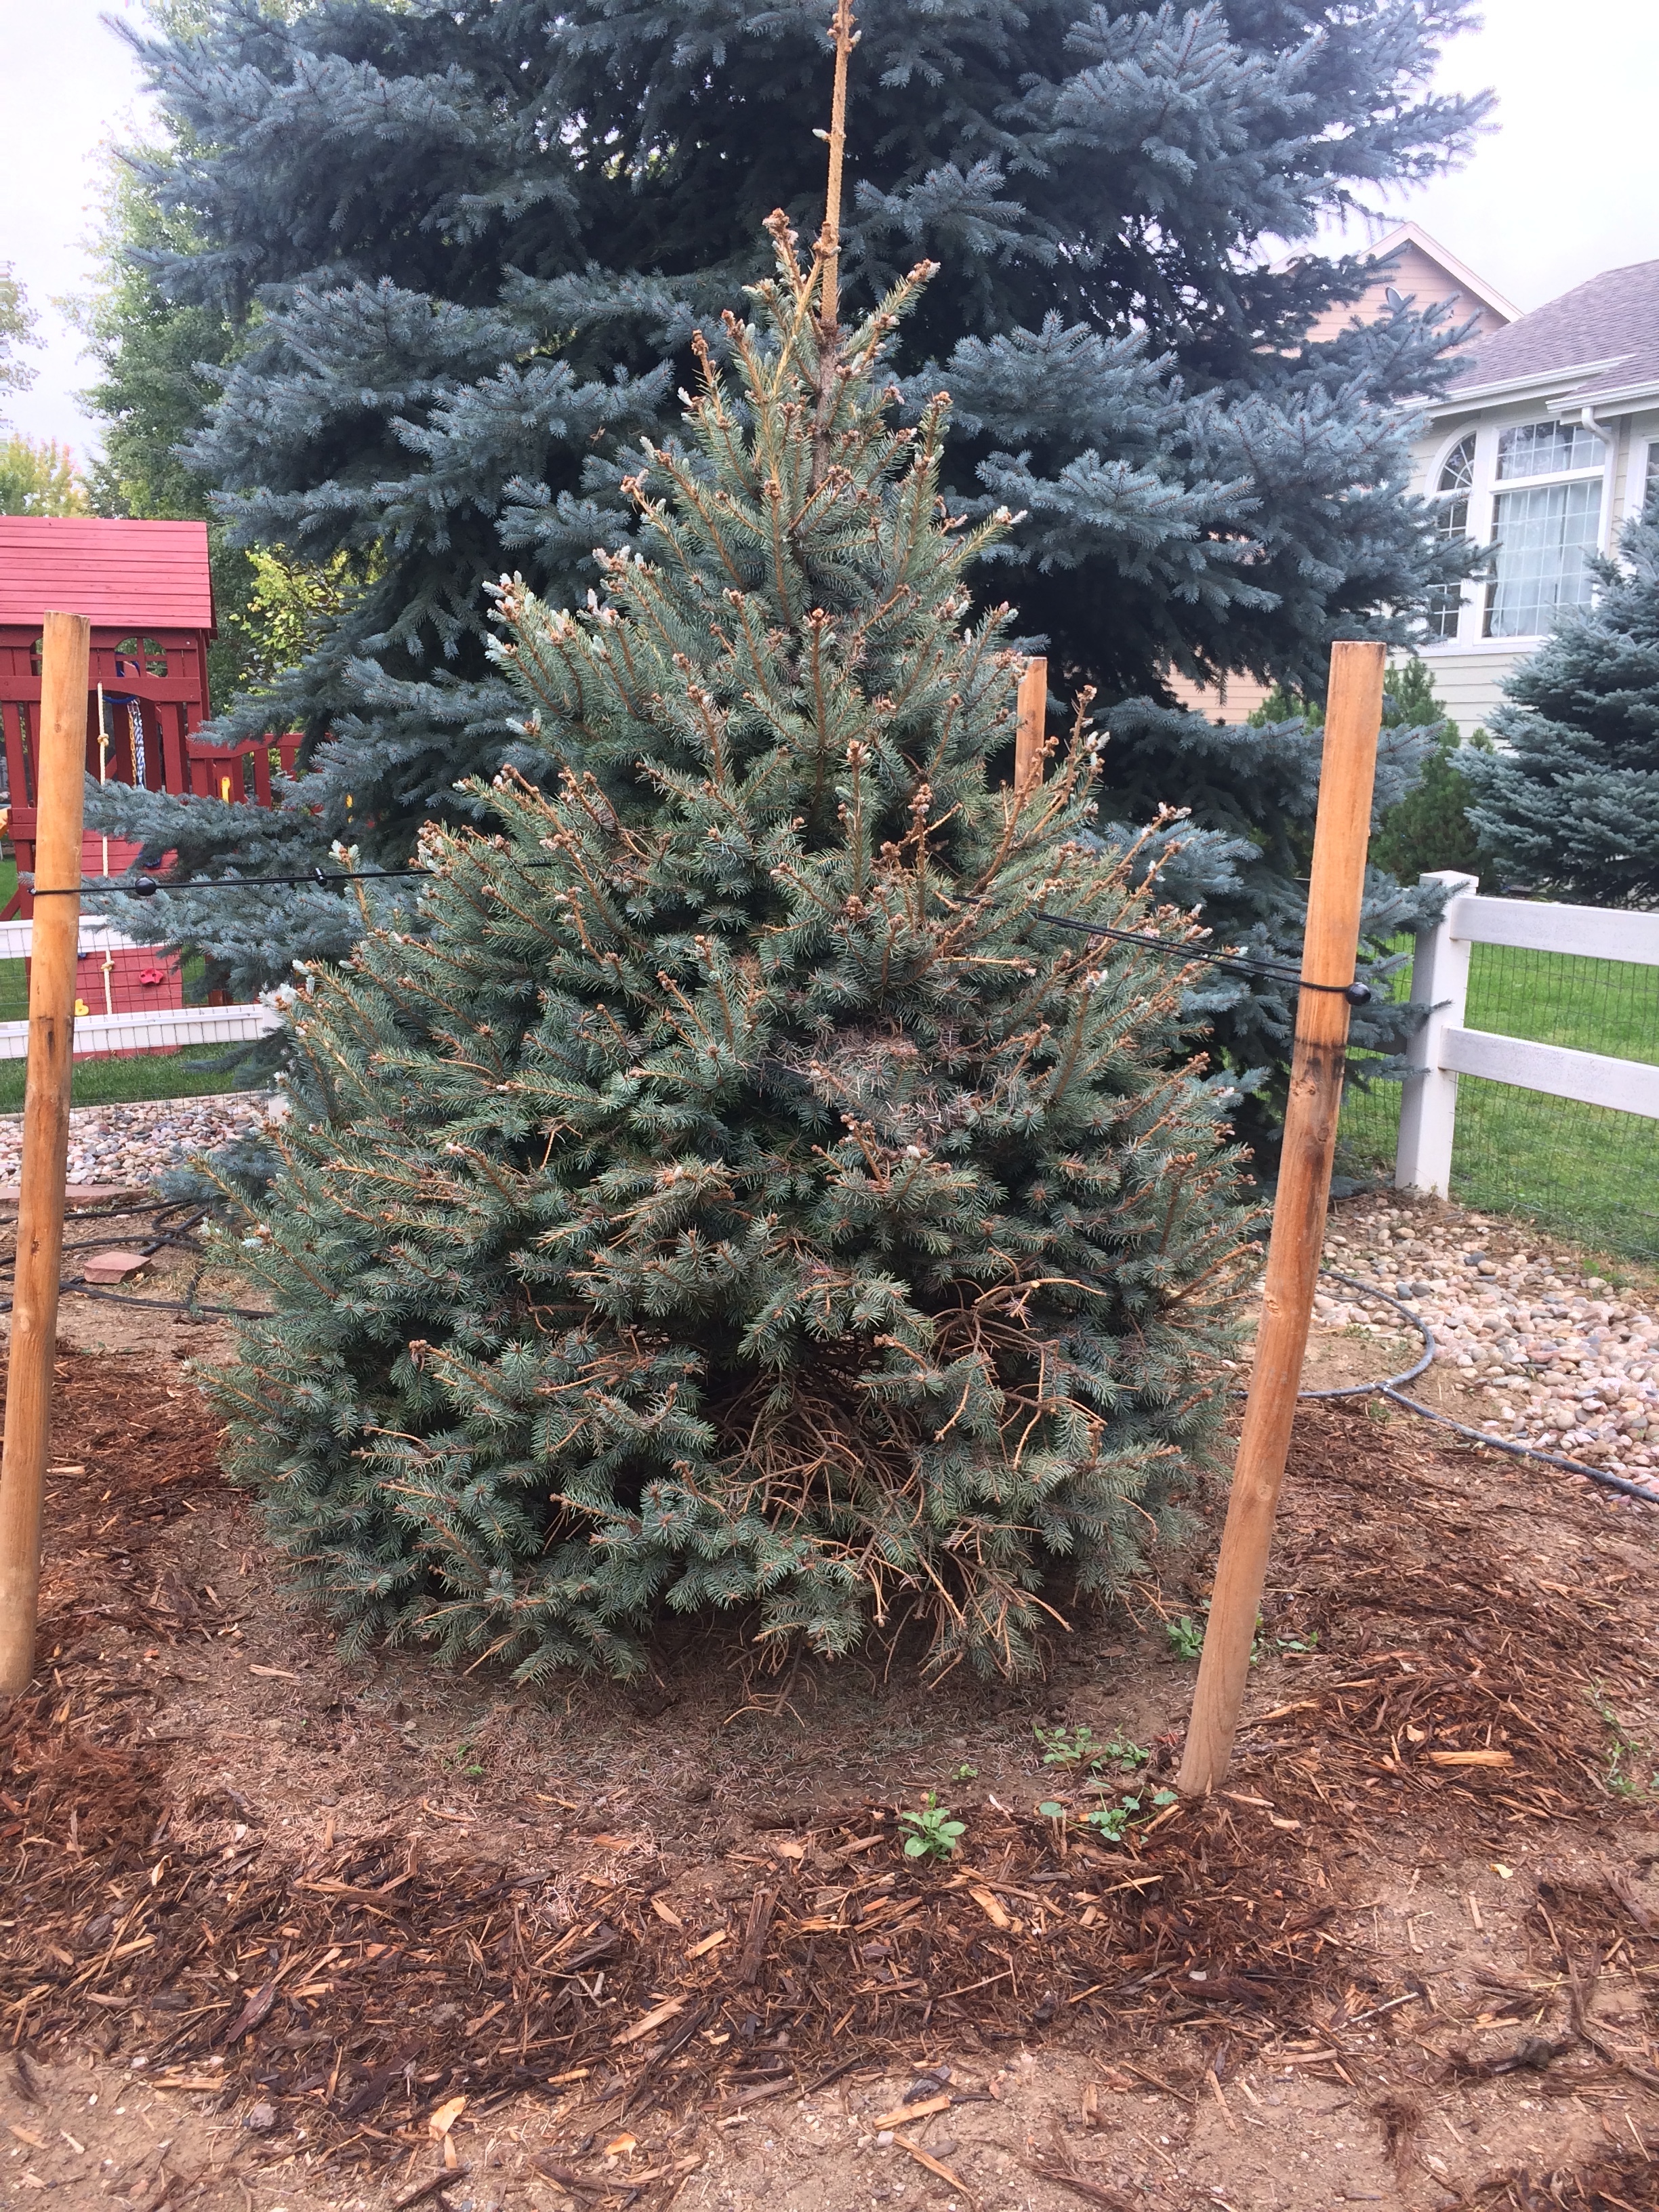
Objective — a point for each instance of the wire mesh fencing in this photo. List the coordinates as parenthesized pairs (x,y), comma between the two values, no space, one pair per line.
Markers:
(1587,1171)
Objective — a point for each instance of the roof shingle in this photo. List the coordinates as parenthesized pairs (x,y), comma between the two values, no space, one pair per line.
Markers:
(121,574)
(1612,319)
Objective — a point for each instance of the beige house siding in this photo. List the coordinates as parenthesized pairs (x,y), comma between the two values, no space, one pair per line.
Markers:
(1234,699)
(1470,685)
(1418,275)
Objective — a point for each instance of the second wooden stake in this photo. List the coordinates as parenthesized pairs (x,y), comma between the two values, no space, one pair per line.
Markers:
(1353,714)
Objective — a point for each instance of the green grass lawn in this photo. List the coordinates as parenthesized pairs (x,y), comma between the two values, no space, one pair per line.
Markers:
(132,1075)
(1582,1169)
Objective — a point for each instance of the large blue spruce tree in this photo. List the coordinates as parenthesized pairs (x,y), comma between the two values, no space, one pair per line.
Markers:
(468,247)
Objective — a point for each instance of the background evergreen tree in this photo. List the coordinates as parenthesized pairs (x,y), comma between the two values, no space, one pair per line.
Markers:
(735,1196)
(1429,829)
(1571,803)
(155,359)
(464,249)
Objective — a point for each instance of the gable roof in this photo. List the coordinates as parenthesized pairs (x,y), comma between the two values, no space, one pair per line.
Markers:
(120,574)
(1600,341)
(1464,282)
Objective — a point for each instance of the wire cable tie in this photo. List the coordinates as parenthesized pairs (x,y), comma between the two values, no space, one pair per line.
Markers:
(1356,993)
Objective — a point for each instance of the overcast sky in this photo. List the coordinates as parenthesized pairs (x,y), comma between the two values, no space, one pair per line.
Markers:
(1566,184)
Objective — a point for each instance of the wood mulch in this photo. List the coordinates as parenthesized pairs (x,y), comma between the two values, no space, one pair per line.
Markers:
(1453,1648)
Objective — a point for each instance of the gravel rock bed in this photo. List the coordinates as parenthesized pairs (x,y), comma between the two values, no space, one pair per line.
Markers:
(132,1146)
(1547,1354)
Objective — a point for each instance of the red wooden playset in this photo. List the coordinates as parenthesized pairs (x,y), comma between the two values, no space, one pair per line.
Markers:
(146,589)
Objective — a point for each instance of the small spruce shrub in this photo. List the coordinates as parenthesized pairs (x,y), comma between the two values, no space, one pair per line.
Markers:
(736,1197)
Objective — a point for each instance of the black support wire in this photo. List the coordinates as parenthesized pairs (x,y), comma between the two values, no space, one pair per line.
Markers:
(146,887)
(1356,993)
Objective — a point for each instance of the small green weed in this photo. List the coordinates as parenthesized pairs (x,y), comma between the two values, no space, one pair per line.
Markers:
(1111,1823)
(1187,1639)
(1066,1746)
(935,1832)
(1075,1747)
(1626,1754)
(965,1773)
(1295,1642)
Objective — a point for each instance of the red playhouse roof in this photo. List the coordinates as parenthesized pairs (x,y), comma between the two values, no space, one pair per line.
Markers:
(121,575)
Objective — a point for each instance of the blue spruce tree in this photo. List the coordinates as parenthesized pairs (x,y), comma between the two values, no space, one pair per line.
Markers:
(468,247)
(734,1196)
(1571,803)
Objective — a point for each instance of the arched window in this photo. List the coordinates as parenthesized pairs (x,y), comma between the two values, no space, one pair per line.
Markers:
(1456,482)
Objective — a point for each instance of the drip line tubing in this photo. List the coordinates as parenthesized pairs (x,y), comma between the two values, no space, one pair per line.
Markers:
(1390,1386)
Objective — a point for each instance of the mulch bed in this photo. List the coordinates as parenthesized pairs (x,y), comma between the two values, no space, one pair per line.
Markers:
(359,1989)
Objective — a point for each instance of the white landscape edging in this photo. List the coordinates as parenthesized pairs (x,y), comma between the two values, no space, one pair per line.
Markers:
(153,1032)
(1443,1048)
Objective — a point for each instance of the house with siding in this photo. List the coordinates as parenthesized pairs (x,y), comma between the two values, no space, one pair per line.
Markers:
(1406,262)
(1539,453)
(1547,443)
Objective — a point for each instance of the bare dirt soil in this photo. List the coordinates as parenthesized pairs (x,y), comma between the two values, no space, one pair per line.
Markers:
(285,1930)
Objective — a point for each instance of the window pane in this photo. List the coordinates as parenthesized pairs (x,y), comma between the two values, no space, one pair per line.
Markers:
(1451,522)
(1540,565)
(1458,474)
(1544,449)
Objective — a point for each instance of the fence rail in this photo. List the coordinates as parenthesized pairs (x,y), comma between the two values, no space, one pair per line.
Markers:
(1445,1048)
(163,1031)
(155,1022)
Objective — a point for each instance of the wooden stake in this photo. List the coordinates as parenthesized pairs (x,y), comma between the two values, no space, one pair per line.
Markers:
(829,237)
(1033,712)
(60,760)
(1353,714)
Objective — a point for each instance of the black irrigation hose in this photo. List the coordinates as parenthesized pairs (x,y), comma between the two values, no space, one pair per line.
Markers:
(157,1212)
(159,1305)
(1390,1388)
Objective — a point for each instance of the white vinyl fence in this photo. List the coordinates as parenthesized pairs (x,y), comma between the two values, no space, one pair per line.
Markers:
(1443,1048)
(153,1030)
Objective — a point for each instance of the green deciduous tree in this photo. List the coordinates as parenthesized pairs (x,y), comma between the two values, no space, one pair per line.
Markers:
(734,1196)
(17,327)
(38,476)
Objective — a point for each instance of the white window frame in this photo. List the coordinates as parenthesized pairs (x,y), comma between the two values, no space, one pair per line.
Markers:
(1644,470)
(1483,496)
